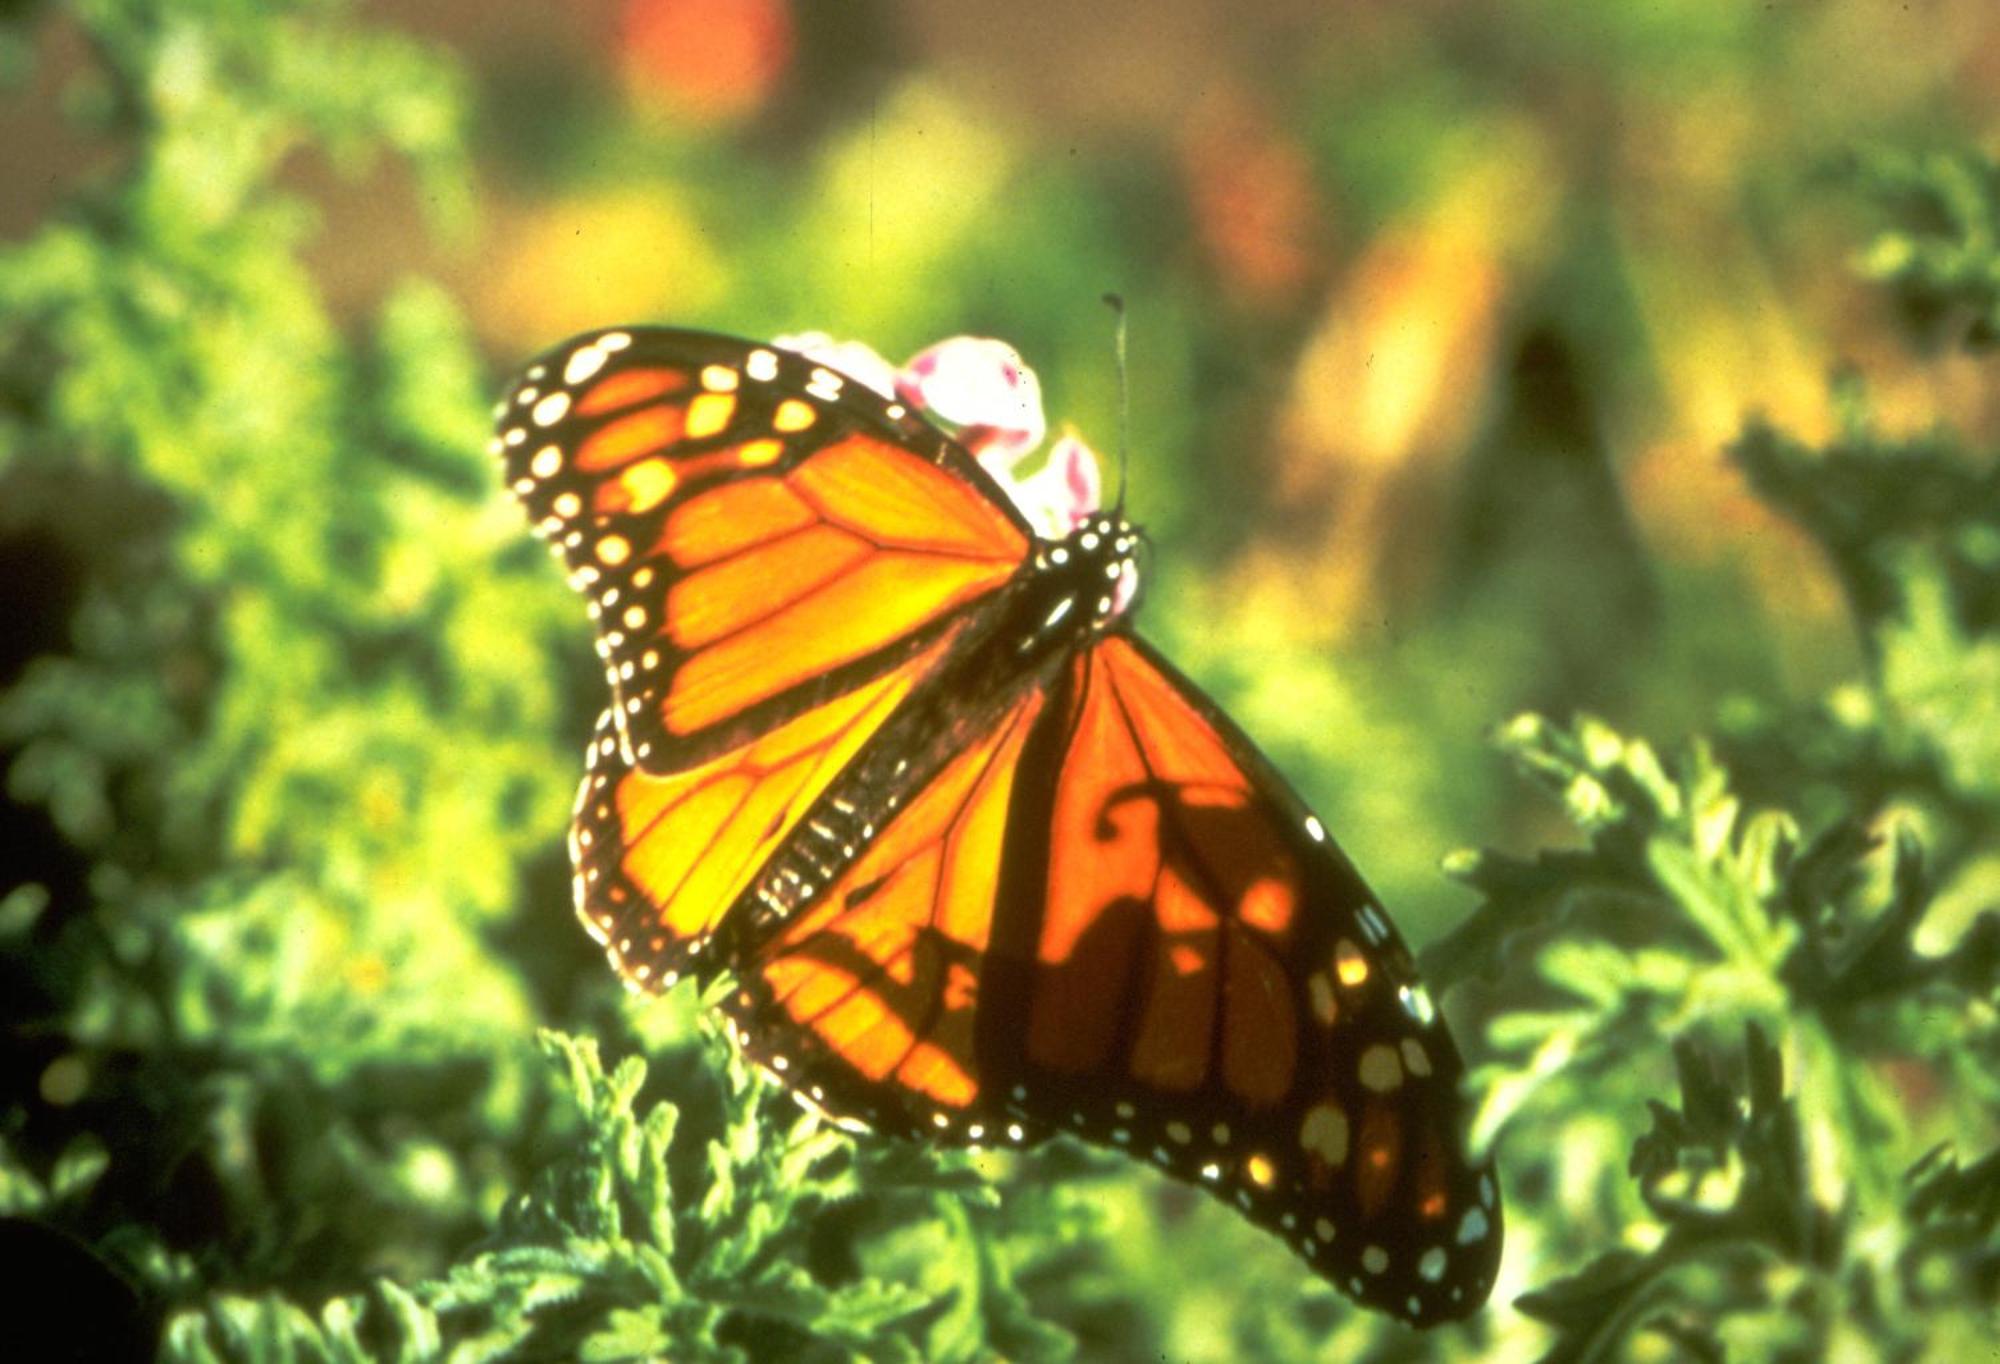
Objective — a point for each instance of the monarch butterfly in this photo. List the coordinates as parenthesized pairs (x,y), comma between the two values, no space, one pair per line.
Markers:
(983,865)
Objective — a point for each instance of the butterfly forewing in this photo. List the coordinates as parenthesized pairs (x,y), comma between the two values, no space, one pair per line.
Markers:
(775,557)
(755,533)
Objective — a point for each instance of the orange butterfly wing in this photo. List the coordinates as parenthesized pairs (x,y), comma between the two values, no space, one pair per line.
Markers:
(755,532)
(879,984)
(661,858)
(1108,914)
(1212,983)
(775,558)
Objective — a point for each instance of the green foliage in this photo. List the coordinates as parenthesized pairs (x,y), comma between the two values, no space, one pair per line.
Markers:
(1910,526)
(1727,1179)
(1773,1225)
(614,1256)
(299,733)
(1941,255)
(1854,936)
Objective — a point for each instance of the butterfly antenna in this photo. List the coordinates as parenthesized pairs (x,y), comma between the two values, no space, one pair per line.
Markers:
(1117,306)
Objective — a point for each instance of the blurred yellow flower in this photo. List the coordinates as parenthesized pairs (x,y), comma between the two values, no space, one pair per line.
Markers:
(569,264)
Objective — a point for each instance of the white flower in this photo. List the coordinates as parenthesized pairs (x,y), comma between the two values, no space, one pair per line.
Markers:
(984,390)
(1064,493)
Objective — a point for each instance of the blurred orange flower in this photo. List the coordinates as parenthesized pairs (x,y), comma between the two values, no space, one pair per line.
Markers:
(1255,207)
(710,60)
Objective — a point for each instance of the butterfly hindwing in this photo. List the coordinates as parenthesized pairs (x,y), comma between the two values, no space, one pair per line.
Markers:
(755,533)
(868,1002)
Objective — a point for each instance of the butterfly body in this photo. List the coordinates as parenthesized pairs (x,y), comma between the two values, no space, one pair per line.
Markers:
(982,864)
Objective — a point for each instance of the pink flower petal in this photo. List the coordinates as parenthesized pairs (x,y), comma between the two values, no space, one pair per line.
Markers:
(981,387)
(1061,495)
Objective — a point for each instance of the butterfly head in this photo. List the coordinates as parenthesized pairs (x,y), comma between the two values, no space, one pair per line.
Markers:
(1088,580)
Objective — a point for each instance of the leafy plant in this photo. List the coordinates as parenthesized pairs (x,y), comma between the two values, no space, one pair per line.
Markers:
(1941,254)
(1862,955)
(624,1252)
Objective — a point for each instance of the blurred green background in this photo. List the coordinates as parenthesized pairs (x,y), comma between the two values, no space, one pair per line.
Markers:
(1630,359)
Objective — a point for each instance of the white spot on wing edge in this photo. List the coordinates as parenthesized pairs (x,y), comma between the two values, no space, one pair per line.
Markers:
(1373,924)
(584,362)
